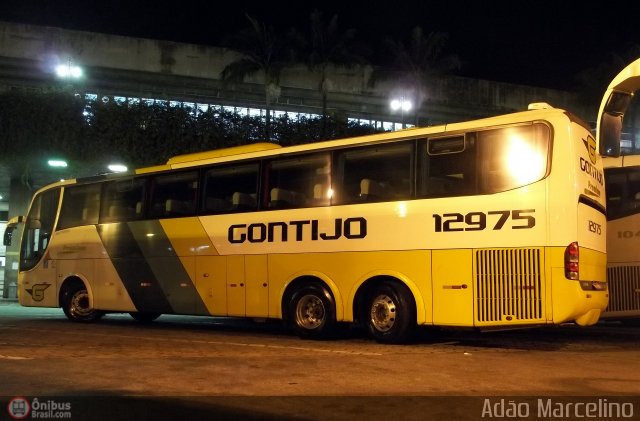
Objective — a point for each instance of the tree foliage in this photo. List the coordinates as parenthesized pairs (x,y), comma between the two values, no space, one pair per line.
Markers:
(37,123)
(90,134)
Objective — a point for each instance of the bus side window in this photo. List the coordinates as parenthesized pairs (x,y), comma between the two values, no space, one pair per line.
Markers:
(375,173)
(231,188)
(299,181)
(322,193)
(174,195)
(447,167)
(633,183)
(243,201)
(123,200)
(282,198)
(372,190)
(616,186)
(635,202)
(80,206)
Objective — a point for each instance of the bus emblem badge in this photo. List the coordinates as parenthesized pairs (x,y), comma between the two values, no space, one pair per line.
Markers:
(37,292)
(590,144)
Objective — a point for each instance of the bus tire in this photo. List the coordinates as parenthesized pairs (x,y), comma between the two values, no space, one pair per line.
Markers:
(311,312)
(76,305)
(144,317)
(390,313)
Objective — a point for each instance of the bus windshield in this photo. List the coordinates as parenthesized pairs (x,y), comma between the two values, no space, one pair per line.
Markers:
(38,228)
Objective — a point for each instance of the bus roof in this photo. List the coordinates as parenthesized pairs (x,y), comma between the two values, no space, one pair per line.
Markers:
(217,153)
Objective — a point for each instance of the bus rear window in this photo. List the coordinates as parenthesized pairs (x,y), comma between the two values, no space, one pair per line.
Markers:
(512,157)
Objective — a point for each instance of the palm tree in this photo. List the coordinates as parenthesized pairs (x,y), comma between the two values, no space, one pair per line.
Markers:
(264,52)
(330,47)
(414,66)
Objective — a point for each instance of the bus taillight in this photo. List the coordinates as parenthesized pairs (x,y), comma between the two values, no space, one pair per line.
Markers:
(572,261)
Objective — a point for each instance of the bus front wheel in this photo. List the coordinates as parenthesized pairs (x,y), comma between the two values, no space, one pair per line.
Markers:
(76,305)
(311,312)
(390,313)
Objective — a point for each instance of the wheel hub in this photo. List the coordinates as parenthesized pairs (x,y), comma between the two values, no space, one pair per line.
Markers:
(383,313)
(80,304)
(310,312)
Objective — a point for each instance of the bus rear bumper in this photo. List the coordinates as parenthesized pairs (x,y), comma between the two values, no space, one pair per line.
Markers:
(573,304)
(591,307)
(591,317)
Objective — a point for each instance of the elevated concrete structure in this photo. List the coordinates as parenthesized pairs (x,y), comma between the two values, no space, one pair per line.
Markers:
(117,65)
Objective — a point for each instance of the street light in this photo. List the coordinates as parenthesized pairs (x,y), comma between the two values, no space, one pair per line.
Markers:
(68,71)
(117,168)
(402,104)
(57,163)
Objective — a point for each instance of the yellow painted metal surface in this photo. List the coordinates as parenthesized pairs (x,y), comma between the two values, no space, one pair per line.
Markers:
(257,286)
(211,283)
(236,286)
(452,287)
(188,237)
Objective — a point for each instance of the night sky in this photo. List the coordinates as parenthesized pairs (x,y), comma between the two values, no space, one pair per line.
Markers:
(540,43)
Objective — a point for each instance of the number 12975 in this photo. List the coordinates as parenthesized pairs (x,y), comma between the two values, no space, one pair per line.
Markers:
(478,221)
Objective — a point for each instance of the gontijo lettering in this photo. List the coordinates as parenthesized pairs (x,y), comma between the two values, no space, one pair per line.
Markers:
(592,171)
(349,228)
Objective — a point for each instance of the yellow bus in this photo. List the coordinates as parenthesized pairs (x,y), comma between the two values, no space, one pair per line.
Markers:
(498,222)
(622,180)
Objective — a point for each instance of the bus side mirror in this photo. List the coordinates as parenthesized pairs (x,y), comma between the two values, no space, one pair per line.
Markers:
(615,103)
(609,134)
(610,124)
(11,226)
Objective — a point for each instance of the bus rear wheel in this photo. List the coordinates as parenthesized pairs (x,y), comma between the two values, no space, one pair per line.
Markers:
(311,312)
(145,317)
(76,305)
(390,313)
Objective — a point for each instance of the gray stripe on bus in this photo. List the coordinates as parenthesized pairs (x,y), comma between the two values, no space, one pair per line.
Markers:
(134,271)
(167,267)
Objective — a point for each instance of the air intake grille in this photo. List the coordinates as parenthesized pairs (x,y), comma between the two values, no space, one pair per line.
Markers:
(624,288)
(508,285)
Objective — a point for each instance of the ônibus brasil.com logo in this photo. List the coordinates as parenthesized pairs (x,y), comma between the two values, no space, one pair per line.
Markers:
(19,408)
